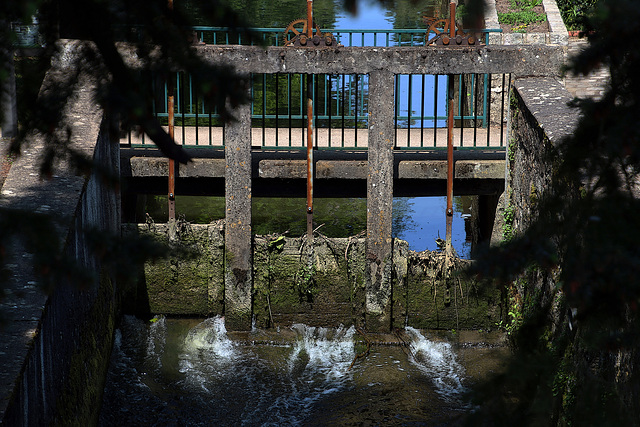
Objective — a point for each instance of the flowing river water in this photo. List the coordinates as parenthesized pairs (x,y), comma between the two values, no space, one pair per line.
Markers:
(190,372)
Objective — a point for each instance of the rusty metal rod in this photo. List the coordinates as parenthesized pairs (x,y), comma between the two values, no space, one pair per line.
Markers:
(309,19)
(452,20)
(172,164)
(449,212)
(310,157)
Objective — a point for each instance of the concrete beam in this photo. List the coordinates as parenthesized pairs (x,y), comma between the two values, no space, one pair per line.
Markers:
(238,256)
(478,169)
(296,169)
(325,169)
(523,60)
(463,169)
(158,166)
(342,169)
(379,202)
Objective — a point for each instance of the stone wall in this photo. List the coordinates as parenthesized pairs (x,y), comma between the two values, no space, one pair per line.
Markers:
(537,125)
(325,286)
(540,119)
(55,348)
(583,374)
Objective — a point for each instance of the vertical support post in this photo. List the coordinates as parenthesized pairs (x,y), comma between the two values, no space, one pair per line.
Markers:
(379,201)
(310,159)
(238,277)
(449,213)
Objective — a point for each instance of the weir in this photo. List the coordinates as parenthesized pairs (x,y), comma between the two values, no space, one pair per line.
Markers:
(379,170)
(328,291)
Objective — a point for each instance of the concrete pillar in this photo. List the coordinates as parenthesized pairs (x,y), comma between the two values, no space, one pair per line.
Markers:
(238,278)
(8,98)
(379,201)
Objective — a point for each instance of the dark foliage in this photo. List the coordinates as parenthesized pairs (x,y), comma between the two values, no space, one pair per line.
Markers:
(583,245)
(160,37)
(575,13)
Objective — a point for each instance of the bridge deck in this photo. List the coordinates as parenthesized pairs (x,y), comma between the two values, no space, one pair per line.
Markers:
(492,138)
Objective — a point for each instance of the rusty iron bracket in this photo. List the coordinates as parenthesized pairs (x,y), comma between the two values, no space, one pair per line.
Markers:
(448,32)
(300,33)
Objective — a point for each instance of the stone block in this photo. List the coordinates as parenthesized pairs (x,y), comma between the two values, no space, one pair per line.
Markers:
(535,38)
(513,38)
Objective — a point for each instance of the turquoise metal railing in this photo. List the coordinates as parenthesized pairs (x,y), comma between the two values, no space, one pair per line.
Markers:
(275,36)
(341,101)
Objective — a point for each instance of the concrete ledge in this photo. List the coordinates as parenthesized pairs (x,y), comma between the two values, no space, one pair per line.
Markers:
(479,169)
(547,100)
(283,169)
(463,169)
(157,166)
(324,169)
(343,169)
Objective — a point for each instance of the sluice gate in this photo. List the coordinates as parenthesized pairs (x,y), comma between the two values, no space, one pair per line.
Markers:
(242,169)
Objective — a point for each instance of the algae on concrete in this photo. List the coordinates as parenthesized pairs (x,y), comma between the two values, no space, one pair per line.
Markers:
(329,292)
(287,290)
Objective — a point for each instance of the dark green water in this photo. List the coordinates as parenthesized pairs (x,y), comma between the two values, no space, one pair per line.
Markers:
(418,220)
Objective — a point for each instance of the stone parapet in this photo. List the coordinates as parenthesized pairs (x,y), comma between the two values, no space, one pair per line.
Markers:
(55,345)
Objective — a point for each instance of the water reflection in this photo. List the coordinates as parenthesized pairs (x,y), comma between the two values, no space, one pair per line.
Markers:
(425,220)
(418,220)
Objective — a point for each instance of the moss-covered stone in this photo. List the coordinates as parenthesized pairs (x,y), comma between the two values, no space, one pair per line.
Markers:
(296,284)
(400,281)
(436,300)
(215,254)
(321,286)
(190,280)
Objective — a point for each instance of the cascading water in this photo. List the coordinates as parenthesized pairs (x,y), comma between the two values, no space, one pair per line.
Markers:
(438,361)
(176,372)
